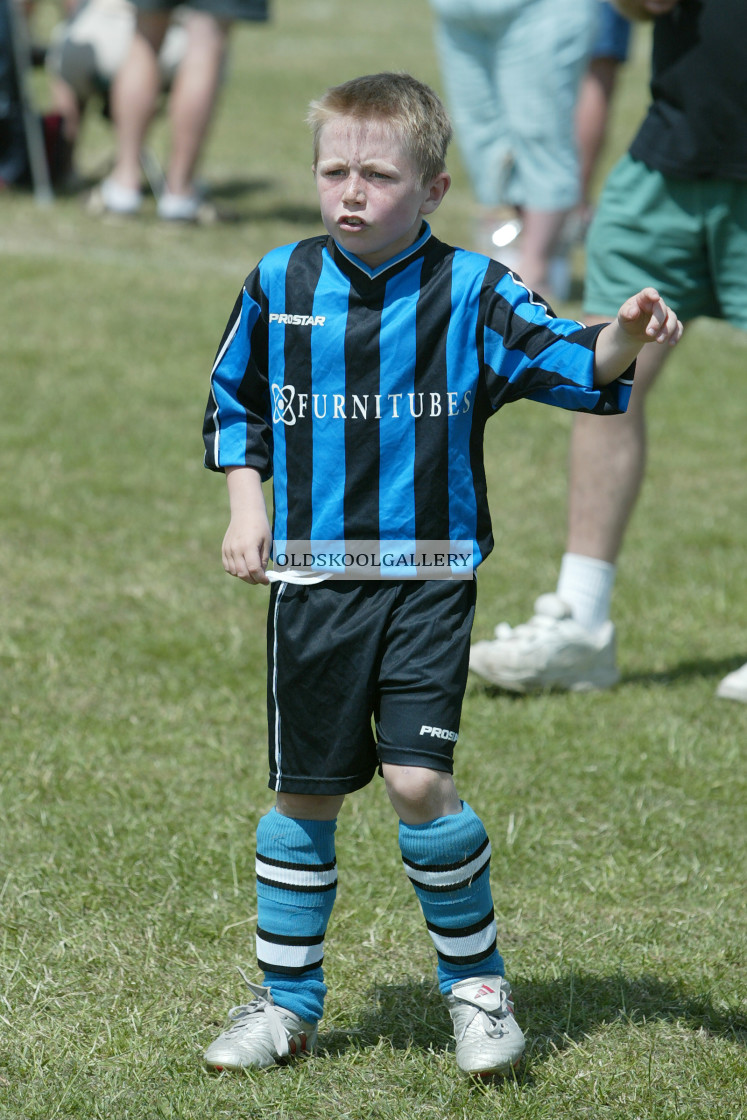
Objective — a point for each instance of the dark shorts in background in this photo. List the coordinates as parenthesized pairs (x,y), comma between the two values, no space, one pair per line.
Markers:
(221,9)
(345,658)
(613,34)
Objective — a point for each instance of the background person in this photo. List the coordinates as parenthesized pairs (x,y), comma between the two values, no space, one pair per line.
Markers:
(14,165)
(87,51)
(609,52)
(191,101)
(675,209)
(511,70)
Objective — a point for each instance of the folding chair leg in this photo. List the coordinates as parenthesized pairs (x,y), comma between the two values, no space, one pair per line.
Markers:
(153,172)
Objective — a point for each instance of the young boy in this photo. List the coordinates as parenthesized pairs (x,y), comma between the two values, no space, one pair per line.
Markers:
(359,369)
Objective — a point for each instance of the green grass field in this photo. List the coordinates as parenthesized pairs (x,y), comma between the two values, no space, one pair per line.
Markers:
(132,723)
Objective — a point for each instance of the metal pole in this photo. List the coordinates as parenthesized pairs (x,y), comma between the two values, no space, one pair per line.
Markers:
(32,125)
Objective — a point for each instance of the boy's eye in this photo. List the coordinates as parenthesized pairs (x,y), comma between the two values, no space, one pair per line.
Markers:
(380,175)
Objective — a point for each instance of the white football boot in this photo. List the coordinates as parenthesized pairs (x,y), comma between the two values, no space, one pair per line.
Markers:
(551,650)
(260,1035)
(734,685)
(489,1041)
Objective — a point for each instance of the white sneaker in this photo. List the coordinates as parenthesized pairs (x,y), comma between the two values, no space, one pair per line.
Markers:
(261,1035)
(734,685)
(488,1038)
(549,651)
(111,197)
(186,208)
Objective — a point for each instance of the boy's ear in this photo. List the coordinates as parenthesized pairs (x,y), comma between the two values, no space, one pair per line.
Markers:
(436,191)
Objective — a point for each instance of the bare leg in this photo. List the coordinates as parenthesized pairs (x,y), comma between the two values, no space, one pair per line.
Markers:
(592,114)
(135,95)
(539,237)
(193,97)
(607,466)
(65,102)
(419,795)
(71,108)
(308,807)
(569,643)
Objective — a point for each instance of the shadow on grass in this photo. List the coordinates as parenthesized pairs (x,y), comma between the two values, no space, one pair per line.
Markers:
(237,200)
(240,191)
(406,1015)
(553,1014)
(714,668)
(293,213)
(556,1012)
(238,187)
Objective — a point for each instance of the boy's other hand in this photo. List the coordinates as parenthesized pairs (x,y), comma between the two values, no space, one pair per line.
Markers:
(246,549)
(647,318)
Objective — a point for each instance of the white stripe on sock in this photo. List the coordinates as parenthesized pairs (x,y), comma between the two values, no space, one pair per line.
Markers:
(470,946)
(288,956)
(441,880)
(306,879)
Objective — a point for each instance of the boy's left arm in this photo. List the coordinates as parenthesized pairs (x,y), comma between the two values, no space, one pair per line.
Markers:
(645,317)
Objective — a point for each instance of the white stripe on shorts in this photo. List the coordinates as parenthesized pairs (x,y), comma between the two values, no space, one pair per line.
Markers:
(278,749)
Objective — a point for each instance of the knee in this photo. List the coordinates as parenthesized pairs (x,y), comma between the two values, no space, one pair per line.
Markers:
(419,795)
(206,34)
(308,807)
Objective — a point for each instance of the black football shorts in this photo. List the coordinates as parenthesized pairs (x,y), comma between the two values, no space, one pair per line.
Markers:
(361,673)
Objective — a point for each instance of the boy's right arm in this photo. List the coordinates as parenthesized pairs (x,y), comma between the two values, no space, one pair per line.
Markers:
(248,539)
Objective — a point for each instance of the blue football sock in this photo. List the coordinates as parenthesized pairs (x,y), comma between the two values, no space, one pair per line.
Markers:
(448,863)
(296,887)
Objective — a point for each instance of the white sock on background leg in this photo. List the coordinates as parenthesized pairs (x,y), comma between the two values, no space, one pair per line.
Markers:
(586,585)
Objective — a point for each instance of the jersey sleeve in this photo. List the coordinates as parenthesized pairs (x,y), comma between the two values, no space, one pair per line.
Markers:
(237,429)
(529,353)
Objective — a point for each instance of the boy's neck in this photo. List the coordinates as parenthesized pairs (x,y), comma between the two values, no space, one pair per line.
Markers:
(415,246)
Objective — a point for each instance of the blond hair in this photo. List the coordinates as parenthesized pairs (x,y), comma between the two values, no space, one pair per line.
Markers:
(397,99)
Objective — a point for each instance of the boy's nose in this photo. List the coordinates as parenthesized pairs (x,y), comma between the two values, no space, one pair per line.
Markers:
(354,189)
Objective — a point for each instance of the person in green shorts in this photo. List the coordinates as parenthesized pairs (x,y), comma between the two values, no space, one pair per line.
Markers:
(673,211)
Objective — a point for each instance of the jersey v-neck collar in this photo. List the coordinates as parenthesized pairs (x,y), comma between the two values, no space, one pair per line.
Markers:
(355,268)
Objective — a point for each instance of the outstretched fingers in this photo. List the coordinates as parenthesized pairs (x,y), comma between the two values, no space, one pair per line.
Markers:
(647,313)
(663,325)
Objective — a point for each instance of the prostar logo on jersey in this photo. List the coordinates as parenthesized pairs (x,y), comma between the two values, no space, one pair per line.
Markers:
(297,320)
(290,406)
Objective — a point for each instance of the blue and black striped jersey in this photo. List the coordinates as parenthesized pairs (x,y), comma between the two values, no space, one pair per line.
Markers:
(364,393)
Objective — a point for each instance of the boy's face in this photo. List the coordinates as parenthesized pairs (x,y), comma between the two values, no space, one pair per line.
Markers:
(371,197)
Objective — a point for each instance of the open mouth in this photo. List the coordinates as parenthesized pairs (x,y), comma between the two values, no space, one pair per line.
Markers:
(350,221)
